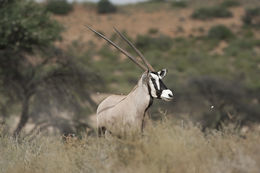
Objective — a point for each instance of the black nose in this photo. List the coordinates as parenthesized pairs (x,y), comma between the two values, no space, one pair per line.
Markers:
(170,95)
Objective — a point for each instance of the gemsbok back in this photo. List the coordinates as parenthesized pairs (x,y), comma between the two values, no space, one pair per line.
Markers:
(121,114)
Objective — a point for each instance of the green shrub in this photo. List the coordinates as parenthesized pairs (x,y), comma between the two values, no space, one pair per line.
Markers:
(179,4)
(251,15)
(229,3)
(160,42)
(105,6)
(211,12)
(60,7)
(153,31)
(220,32)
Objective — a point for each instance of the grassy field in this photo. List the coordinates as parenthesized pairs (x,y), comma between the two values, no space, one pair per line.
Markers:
(166,146)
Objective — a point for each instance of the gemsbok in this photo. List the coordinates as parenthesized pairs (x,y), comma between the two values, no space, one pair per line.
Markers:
(119,114)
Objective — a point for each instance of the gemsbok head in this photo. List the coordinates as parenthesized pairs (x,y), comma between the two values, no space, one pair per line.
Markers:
(119,114)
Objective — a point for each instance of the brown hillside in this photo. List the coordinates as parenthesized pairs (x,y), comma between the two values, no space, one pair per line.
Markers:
(169,21)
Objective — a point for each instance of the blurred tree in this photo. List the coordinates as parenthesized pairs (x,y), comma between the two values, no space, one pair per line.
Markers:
(31,68)
(105,6)
(24,25)
(59,7)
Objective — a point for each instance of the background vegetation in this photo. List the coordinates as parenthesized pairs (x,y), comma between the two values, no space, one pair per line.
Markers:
(31,80)
(211,12)
(105,6)
(59,7)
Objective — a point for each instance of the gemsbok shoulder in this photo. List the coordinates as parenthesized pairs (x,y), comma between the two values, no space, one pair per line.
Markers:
(120,114)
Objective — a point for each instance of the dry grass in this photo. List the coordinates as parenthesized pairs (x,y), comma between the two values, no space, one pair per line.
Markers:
(165,147)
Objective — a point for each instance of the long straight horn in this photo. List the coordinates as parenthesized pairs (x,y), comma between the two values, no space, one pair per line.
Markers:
(119,48)
(147,64)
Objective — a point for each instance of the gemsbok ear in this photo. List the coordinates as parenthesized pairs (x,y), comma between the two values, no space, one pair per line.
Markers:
(162,73)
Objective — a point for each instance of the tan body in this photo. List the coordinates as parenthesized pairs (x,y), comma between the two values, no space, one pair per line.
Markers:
(120,114)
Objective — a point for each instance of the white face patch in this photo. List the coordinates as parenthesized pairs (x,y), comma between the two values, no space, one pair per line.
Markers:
(153,90)
(167,95)
(156,78)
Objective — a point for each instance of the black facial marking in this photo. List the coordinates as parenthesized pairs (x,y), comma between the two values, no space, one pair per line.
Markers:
(162,86)
(154,84)
(156,88)
(158,92)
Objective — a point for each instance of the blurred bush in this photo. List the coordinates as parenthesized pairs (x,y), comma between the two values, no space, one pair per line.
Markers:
(220,32)
(229,3)
(226,96)
(105,6)
(153,31)
(160,42)
(158,0)
(252,17)
(179,4)
(230,99)
(247,45)
(60,7)
(211,12)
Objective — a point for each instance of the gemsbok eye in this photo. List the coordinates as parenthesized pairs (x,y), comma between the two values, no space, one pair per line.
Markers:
(120,114)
